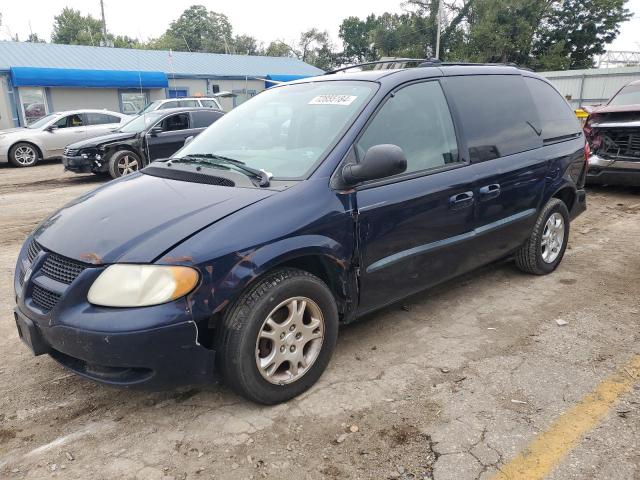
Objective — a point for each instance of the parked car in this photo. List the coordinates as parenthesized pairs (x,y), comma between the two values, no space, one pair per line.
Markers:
(613,131)
(183,102)
(47,137)
(244,252)
(145,138)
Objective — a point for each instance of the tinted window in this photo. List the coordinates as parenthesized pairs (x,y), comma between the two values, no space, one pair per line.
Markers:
(417,119)
(556,117)
(172,104)
(100,118)
(69,121)
(204,119)
(497,113)
(179,121)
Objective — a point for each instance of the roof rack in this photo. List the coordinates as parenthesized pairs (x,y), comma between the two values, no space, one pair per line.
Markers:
(425,62)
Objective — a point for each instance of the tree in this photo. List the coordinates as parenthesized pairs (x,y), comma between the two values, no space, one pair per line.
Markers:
(124,41)
(578,30)
(34,38)
(73,28)
(198,30)
(357,44)
(246,45)
(278,48)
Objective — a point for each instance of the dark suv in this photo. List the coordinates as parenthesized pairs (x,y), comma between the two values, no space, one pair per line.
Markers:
(147,137)
(306,207)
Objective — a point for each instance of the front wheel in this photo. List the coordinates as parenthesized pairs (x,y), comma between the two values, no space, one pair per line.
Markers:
(23,154)
(278,338)
(545,247)
(123,163)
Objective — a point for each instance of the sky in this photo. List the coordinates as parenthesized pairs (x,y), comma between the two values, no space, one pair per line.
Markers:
(281,19)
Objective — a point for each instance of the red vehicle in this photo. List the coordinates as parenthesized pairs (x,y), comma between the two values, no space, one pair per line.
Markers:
(613,132)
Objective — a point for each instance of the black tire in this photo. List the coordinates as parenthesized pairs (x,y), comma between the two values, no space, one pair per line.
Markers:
(529,258)
(237,341)
(23,154)
(121,158)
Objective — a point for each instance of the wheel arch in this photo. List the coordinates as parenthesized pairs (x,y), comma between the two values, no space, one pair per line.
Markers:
(33,144)
(567,194)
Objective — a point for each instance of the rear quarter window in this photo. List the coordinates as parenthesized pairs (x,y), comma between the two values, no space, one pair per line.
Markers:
(497,114)
(203,119)
(557,120)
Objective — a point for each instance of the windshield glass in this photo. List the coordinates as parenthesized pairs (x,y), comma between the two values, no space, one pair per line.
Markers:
(43,121)
(140,123)
(629,95)
(284,130)
(151,107)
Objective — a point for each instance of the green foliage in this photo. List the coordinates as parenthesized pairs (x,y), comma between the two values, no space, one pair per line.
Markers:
(199,30)
(246,45)
(73,28)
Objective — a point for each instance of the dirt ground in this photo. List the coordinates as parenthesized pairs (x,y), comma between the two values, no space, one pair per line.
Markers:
(450,384)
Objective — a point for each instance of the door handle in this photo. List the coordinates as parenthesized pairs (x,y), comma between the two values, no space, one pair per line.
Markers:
(489,191)
(461,200)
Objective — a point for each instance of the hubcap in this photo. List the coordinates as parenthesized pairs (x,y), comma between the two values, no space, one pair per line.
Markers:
(127,165)
(25,155)
(552,238)
(290,340)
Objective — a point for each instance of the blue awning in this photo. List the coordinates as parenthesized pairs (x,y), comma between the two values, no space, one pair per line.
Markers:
(68,77)
(282,78)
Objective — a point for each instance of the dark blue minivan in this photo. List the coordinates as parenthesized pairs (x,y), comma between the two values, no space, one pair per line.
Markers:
(304,208)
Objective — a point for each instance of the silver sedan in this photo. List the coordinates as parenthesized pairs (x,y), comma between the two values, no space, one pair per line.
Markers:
(47,137)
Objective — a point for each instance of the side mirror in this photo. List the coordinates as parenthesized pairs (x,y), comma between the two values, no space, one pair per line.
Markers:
(380,161)
(51,128)
(155,131)
(188,139)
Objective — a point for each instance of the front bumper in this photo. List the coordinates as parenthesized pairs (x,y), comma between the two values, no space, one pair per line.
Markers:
(604,171)
(152,347)
(156,358)
(79,164)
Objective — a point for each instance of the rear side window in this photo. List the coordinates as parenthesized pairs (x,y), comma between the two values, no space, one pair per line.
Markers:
(417,119)
(188,103)
(557,120)
(100,118)
(172,104)
(203,119)
(209,103)
(498,115)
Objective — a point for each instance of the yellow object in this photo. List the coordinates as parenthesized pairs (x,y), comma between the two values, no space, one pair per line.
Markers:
(548,449)
(581,114)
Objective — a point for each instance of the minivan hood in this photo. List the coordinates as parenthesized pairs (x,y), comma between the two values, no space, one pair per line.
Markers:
(102,139)
(138,217)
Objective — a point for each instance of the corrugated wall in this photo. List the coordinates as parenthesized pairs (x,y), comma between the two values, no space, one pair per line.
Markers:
(591,87)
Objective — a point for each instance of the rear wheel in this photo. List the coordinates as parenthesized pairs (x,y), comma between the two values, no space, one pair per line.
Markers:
(23,154)
(123,163)
(278,338)
(545,249)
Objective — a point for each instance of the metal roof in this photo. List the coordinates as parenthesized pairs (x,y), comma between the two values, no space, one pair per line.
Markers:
(182,64)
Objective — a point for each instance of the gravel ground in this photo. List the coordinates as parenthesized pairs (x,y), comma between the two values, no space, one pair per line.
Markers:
(420,390)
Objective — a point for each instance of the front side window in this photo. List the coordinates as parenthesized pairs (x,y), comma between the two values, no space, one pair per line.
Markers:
(629,95)
(70,121)
(285,130)
(175,122)
(33,102)
(497,114)
(416,119)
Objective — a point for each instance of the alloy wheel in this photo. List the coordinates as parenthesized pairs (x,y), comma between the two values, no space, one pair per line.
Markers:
(552,238)
(127,165)
(289,340)
(25,155)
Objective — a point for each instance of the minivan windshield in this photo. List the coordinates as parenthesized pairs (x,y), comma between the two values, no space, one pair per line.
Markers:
(629,95)
(285,130)
(140,123)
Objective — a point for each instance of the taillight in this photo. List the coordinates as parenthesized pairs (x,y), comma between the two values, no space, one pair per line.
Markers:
(587,153)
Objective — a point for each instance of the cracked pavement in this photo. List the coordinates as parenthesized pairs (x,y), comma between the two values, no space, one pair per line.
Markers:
(450,384)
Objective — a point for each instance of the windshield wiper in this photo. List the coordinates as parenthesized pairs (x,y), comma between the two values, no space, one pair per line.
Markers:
(262,176)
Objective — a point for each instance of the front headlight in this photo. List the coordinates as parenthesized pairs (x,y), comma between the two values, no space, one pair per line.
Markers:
(128,285)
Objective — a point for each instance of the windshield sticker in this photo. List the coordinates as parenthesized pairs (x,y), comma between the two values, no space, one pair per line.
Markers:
(333,100)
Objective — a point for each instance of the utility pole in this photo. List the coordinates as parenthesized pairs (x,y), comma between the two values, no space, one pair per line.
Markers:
(439,22)
(104,25)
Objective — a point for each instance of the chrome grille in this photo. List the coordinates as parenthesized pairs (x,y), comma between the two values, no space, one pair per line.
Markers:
(61,269)
(44,298)
(70,152)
